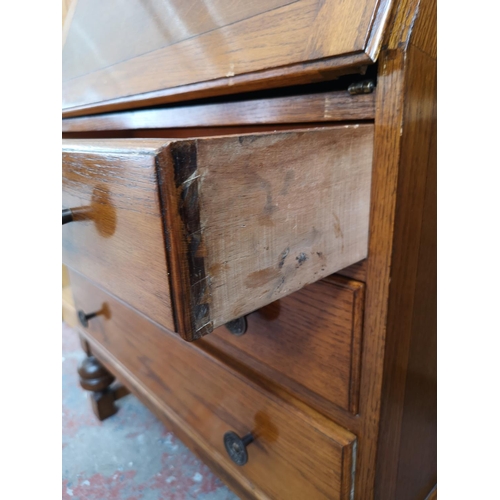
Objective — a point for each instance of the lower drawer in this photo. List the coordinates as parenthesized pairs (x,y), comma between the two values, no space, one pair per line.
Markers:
(293,456)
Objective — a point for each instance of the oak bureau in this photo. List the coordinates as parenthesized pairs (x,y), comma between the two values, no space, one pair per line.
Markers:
(249,198)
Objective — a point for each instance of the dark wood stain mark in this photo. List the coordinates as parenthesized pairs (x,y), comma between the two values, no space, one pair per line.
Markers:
(269,207)
(265,428)
(289,177)
(216,268)
(260,278)
(246,140)
(167,237)
(336,227)
(184,156)
(283,256)
(102,211)
(148,370)
(301,258)
(279,285)
(265,220)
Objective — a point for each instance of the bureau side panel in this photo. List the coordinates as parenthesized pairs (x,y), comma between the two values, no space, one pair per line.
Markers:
(406,462)
(417,462)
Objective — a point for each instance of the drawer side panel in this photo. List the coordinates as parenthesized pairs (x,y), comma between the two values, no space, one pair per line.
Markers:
(280,211)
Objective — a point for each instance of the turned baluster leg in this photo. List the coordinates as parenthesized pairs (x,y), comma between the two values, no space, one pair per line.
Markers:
(96,379)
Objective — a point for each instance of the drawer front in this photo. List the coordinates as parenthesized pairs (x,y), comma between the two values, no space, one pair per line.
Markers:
(196,232)
(308,342)
(293,456)
(117,238)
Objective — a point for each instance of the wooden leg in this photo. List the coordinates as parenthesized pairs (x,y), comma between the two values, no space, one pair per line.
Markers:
(95,378)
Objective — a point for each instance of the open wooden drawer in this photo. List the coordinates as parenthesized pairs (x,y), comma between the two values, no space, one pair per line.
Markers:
(194,233)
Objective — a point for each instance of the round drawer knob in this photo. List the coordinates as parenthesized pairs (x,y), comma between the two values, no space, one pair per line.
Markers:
(236,447)
(238,326)
(84,318)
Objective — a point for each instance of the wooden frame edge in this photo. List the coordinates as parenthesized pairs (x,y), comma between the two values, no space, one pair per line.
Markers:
(324,107)
(314,71)
(176,167)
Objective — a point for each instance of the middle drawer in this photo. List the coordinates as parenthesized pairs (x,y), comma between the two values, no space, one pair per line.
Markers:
(308,342)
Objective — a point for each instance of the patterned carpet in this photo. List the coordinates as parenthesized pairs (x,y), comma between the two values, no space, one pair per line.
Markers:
(129,456)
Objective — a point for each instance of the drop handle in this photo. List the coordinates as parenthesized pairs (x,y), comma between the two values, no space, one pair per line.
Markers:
(236,447)
(67,215)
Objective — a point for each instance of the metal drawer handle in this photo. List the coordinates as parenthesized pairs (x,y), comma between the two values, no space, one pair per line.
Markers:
(237,326)
(236,447)
(67,215)
(84,318)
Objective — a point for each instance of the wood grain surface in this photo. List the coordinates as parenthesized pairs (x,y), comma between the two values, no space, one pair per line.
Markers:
(356,271)
(395,422)
(298,187)
(320,107)
(262,216)
(161,49)
(293,457)
(397,449)
(308,342)
(409,396)
(198,132)
(117,239)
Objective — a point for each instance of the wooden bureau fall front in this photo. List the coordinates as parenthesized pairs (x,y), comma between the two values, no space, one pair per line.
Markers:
(249,225)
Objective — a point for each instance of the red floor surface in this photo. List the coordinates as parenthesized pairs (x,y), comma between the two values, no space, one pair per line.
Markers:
(129,456)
